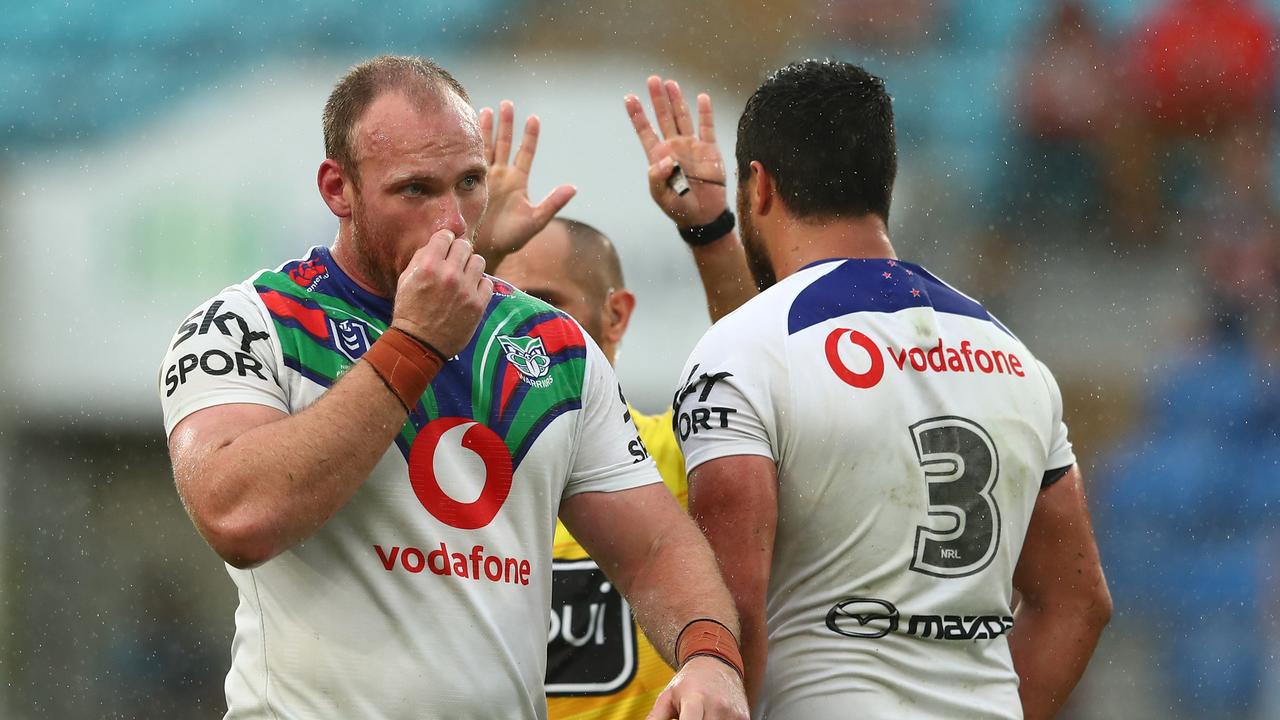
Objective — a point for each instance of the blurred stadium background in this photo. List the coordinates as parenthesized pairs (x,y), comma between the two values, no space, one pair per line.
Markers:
(1102,174)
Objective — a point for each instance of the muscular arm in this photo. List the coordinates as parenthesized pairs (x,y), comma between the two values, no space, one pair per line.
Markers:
(653,552)
(1065,601)
(655,556)
(735,502)
(256,481)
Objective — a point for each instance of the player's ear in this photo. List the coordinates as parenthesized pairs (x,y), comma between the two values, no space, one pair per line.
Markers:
(335,187)
(618,307)
(761,189)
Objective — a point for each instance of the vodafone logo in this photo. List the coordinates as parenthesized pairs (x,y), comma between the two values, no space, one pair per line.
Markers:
(497,473)
(848,349)
(863,380)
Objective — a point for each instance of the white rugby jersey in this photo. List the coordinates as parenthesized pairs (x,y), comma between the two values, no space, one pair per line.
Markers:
(428,594)
(912,433)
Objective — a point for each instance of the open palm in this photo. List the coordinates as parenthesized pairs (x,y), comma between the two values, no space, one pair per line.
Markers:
(511,219)
(698,154)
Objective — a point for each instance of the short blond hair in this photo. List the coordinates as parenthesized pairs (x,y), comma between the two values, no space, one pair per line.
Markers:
(363,84)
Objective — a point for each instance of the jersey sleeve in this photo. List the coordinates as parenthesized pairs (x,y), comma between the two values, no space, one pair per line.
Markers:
(222,353)
(609,454)
(722,406)
(1061,455)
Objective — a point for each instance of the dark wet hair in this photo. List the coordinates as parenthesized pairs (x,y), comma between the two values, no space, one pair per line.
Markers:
(824,131)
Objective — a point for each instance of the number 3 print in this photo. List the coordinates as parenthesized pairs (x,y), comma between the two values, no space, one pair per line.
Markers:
(961,468)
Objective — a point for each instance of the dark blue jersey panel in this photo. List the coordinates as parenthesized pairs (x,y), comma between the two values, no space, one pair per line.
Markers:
(877,285)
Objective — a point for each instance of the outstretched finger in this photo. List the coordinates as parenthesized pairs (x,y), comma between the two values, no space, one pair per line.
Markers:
(486,132)
(662,107)
(648,138)
(684,121)
(706,121)
(502,146)
(553,203)
(528,145)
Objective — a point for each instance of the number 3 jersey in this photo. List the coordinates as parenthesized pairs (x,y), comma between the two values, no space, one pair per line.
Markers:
(912,434)
(428,593)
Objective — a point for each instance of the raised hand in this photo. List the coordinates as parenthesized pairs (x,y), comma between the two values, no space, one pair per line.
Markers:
(442,294)
(511,219)
(698,154)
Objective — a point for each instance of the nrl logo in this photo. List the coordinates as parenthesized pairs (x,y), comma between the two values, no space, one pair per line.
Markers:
(351,337)
(529,356)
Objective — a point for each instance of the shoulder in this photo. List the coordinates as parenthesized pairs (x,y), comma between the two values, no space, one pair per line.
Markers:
(660,440)
(757,330)
(300,293)
(533,335)
(231,313)
(269,294)
(512,311)
(527,363)
(767,317)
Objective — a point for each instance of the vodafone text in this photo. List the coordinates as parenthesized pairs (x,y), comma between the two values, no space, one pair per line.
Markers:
(940,358)
(473,566)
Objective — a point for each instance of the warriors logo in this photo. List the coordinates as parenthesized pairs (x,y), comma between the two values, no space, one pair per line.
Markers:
(529,356)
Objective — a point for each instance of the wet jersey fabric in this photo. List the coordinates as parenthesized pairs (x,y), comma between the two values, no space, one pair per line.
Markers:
(912,433)
(428,593)
(600,666)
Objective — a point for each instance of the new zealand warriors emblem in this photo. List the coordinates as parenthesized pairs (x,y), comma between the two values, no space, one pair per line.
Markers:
(351,337)
(529,356)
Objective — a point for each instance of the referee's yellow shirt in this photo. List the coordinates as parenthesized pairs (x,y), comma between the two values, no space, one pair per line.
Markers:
(599,665)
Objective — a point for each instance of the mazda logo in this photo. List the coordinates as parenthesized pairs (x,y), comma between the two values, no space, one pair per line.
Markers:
(863,618)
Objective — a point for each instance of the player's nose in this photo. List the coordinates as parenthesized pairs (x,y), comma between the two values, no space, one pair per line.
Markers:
(449,216)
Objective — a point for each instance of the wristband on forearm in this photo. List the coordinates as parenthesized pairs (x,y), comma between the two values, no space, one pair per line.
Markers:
(705,636)
(405,364)
(709,233)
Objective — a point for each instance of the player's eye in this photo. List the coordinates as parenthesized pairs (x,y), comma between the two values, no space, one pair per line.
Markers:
(471,182)
(414,189)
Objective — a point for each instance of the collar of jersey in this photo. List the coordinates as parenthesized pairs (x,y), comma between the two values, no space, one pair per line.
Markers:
(343,285)
(816,263)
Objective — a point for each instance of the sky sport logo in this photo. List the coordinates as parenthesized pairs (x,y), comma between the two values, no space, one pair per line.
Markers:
(940,358)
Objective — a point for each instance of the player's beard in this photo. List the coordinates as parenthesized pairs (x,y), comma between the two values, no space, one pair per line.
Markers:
(374,251)
(757,255)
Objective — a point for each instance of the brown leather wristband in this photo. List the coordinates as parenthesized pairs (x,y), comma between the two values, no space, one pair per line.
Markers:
(705,636)
(404,364)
